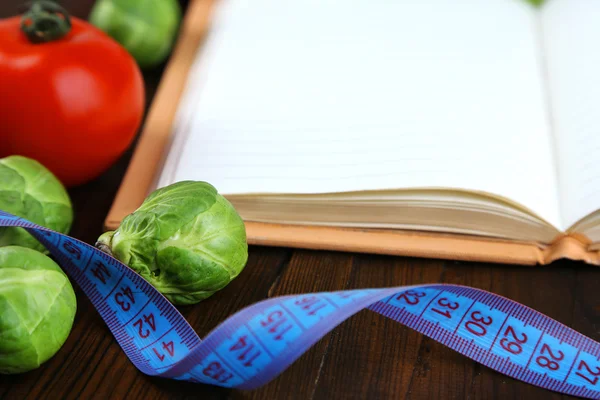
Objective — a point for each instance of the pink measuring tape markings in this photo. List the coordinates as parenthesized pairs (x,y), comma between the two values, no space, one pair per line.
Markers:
(256,344)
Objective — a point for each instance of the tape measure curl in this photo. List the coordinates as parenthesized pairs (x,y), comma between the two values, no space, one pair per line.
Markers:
(253,346)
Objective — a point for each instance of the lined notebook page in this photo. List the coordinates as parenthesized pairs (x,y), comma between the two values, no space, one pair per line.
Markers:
(572,41)
(321,96)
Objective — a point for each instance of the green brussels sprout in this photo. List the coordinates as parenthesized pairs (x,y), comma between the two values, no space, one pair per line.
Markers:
(29,190)
(536,3)
(146,28)
(37,309)
(185,239)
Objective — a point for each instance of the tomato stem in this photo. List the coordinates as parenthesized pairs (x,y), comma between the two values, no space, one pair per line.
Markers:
(45,21)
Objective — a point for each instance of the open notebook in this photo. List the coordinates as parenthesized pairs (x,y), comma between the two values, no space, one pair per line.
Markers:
(475,119)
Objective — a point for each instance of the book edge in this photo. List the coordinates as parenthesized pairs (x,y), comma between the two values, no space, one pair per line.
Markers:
(149,153)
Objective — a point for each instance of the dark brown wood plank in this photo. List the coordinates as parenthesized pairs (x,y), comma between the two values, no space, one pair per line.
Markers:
(449,370)
(370,355)
(585,301)
(308,272)
(396,362)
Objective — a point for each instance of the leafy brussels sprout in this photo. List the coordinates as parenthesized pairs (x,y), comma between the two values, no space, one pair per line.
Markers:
(37,309)
(537,3)
(185,239)
(29,190)
(147,29)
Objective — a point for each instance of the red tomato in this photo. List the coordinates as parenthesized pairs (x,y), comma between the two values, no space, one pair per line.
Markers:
(74,104)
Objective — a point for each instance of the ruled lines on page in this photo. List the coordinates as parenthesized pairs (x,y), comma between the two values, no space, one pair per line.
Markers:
(572,34)
(331,96)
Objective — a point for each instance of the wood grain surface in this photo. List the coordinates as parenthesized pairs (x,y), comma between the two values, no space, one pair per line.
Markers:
(368,356)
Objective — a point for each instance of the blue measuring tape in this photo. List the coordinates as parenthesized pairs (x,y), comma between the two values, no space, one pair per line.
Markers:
(256,344)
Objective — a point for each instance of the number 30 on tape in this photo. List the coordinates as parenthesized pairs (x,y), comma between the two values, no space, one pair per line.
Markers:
(256,344)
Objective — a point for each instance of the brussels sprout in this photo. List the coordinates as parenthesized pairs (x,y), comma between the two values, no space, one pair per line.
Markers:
(146,28)
(29,190)
(537,3)
(185,239)
(37,309)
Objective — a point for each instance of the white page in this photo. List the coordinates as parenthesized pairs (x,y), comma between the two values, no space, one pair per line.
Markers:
(329,96)
(572,42)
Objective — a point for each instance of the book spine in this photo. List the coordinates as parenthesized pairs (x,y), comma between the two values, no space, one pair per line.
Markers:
(572,247)
(396,243)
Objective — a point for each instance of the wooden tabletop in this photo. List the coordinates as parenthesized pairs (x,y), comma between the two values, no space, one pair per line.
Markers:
(368,356)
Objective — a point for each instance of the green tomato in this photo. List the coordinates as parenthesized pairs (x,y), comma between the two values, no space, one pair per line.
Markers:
(185,239)
(37,309)
(146,28)
(29,190)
